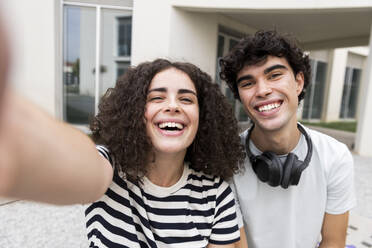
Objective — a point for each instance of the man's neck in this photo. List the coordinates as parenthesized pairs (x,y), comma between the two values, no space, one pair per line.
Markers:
(280,141)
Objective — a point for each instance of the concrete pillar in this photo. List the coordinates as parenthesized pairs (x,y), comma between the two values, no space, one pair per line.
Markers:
(363,142)
(173,34)
(336,75)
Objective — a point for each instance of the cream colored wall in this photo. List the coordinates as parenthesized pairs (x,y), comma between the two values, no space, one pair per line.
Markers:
(363,142)
(151,30)
(32,27)
(177,34)
(335,83)
(193,38)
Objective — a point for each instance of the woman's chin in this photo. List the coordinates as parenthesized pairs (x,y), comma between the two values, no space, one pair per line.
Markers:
(171,150)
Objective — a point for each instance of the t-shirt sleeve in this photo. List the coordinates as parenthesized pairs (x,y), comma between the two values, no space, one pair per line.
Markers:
(225,227)
(104,152)
(340,189)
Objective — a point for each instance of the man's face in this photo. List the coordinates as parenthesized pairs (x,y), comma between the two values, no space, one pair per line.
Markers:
(269,92)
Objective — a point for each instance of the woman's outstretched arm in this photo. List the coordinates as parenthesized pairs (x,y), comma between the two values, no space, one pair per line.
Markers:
(46,160)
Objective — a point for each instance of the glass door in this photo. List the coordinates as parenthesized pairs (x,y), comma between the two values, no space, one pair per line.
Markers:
(94,36)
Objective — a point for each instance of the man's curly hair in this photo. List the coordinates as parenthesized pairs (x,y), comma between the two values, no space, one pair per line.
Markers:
(120,125)
(255,49)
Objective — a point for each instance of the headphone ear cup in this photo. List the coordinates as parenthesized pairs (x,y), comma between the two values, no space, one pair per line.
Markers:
(297,170)
(288,170)
(269,169)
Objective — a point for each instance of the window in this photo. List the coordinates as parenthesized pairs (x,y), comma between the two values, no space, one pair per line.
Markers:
(124,35)
(313,102)
(90,33)
(350,93)
(225,43)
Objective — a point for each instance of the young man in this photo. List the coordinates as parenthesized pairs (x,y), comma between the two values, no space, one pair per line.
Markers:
(297,187)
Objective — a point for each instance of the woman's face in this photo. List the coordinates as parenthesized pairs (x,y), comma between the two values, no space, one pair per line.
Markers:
(172,112)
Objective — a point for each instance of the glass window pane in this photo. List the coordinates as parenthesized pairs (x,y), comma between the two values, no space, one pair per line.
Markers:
(242,114)
(78,64)
(354,89)
(220,46)
(232,44)
(319,87)
(121,68)
(308,96)
(116,29)
(345,93)
(230,97)
(124,30)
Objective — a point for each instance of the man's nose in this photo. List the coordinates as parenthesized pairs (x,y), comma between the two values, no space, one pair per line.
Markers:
(263,88)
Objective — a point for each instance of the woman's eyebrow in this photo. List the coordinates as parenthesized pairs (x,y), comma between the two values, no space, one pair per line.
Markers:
(183,91)
(158,89)
(274,67)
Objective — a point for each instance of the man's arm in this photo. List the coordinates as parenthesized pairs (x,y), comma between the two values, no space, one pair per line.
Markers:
(46,160)
(334,230)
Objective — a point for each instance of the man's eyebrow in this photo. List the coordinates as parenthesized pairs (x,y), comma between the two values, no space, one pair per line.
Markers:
(246,77)
(158,89)
(274,67)
(185,91)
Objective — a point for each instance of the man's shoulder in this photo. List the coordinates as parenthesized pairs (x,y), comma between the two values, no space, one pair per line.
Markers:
(324,140)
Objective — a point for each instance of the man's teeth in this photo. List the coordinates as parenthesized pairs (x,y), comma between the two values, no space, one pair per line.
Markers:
(171,124)
(268,107)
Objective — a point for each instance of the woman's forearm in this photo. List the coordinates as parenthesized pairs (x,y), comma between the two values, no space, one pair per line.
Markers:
(43,159)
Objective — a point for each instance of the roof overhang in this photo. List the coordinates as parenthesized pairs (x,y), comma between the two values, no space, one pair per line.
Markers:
(316,24)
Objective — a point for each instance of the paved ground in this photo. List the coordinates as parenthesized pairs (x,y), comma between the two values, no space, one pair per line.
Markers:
(33,225)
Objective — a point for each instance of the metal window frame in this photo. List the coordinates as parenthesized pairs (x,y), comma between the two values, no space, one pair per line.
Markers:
(98,8)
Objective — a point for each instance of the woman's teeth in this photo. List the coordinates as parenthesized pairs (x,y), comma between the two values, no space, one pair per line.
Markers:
(170,125)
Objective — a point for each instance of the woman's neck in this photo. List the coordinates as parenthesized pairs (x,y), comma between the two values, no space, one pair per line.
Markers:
(165,169)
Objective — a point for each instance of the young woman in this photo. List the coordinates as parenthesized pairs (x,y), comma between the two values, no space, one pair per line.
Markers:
(167,140)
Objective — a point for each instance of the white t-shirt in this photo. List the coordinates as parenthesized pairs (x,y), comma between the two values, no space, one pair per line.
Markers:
(291,218)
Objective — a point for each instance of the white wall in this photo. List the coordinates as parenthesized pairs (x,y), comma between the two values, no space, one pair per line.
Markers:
(151,30)
(33,38)
(177,34)
(363,142)
(173,34)
(335,83)
(193,38)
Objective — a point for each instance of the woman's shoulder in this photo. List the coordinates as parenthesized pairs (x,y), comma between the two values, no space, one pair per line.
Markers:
(207,181)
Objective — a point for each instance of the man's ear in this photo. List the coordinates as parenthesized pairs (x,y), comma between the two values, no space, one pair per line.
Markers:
(300,80)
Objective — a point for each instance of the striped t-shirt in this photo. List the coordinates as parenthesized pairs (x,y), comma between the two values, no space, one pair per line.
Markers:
(197,210)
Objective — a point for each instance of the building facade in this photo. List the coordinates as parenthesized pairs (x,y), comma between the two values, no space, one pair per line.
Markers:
(67,53)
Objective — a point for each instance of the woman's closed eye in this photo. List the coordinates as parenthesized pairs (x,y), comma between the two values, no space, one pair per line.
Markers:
(187,100)
(154,98)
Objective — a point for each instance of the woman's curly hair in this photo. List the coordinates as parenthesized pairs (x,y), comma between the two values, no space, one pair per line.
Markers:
(120,125)
(255,49)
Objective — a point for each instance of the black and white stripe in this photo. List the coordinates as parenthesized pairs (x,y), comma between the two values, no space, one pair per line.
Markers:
(198,210)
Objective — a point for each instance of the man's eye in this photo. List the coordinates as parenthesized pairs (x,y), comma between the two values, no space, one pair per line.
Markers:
(275,75)
(246,84)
